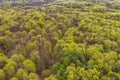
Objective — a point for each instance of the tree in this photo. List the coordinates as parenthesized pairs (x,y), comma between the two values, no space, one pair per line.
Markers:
(51,78)
(10,68)
(18,58)
(107,45)
(55,68)
(22,74)
(2,75)
(117,64)
(32,46)
(46,73)
(14,78)
(99,8)
(71,73)
(29,65)
(71,76)
(34,55)
(3,60)
(33,76)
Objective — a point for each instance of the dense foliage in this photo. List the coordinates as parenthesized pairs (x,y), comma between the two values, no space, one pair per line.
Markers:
(63,41)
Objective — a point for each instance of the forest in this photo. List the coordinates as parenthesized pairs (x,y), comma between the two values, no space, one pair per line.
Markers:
(60,40)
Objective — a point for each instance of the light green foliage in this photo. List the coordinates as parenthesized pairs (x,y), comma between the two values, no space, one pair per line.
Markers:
(14,78)
(33,76)
(29,65)
(99,8)
(118,65)
(71,73)
(18,58)
(61,40)
(9,68)
(73,48)
(89,74)
(22,74)
(32,46)
(2,75)
(3,60)
(51,78)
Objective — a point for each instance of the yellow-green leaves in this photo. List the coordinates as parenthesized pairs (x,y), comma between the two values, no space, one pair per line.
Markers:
(2,75)
(29,65)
